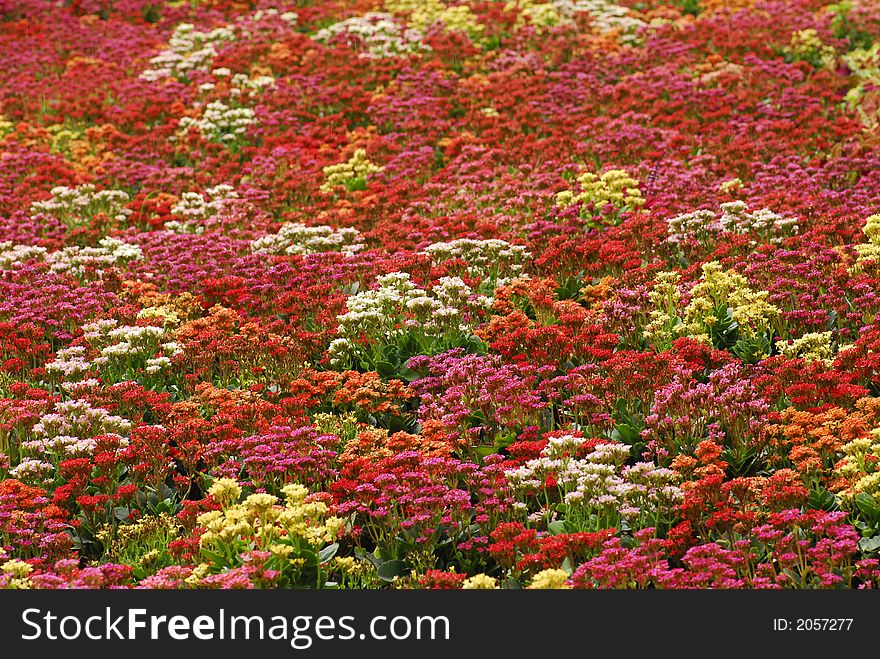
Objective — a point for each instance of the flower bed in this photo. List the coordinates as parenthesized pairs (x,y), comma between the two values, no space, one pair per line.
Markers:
(422,294)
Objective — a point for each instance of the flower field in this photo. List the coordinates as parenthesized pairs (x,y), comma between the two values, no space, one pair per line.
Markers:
(419,294)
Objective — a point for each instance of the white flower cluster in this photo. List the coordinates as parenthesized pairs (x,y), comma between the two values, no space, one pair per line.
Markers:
(242,82)
(297,238)
(700,224)
(735,218)
(123,346)
(399,306)
(74,259)
(110,251)
(76,206)
(606,16)
(188,50)
(221,122)
(376,35)
(238,82)
(598,487)
(485,258)
(227,121)
(67,432)
(287,16)
(127,339)
(12,254)
(33,471)
(69,364)
(195,207)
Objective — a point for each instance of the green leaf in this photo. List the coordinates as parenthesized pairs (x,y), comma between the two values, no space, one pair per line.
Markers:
(626,434)
(391,353)
(213,556)
(408,374)
(359,183)
(504,440)
(870,544)
(310,557)
(822,499)
(742,462)
(370,557)
(390,569)
(483,451)
(832,320)
(476,418)
(556,527)
(690,7)
(385,369)
(476,345)
(868,505)
(328,552)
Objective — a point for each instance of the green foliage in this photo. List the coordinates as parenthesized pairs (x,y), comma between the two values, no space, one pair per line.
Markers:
(843,28)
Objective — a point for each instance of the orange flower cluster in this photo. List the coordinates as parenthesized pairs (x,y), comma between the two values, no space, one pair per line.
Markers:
(376,443)
(367,391)
(812,440)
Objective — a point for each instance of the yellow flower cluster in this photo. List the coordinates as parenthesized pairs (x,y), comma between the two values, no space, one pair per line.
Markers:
(358,167)
(812,347)
(614,187)
(225,490)
(716,289)
(750,309)
(807,46)
(353,573)
(872,229)
(164,315)
(730,185)
(199,572)
(18,572)
(63,138)
(864,66)
(869,251)
(858,467)
(864,63)
(711,6)
(141,543)
(6,126)
(550,579)
(663,321)
(424,13)
(480,582)
(170,311)
(352,567)
(538,14)
(345,426)
(261,519)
